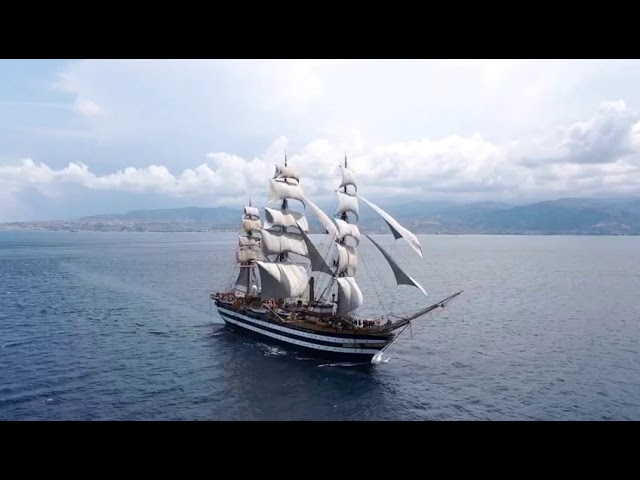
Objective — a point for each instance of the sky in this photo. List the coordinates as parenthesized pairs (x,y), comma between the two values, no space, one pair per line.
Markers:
(85,137)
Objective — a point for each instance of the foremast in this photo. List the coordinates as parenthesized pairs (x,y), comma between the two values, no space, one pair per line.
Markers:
(346,238)
(346,241)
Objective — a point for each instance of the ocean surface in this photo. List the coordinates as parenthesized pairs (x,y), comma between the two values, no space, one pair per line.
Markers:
(119,326)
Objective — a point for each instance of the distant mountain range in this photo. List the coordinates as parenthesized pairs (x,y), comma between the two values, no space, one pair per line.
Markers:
(569,216)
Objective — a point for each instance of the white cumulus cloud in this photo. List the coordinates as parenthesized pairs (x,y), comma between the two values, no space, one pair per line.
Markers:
(598,156)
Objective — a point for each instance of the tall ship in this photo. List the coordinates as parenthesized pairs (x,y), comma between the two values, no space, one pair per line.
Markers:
(291,291)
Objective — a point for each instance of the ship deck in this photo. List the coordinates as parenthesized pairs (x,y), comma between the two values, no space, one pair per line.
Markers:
(310,326)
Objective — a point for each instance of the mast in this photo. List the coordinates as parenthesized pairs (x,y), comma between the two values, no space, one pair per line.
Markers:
(282,278)
(349,295)
(344,218)
(248,250)
(283,256)
(346,238)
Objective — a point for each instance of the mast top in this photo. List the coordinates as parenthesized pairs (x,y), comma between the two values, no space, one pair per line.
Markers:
(285,158)
(345,159)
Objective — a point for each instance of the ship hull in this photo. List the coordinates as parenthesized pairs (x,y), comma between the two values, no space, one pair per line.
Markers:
(348,347)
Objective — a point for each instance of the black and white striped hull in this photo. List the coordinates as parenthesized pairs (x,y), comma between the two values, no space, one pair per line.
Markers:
(335,346)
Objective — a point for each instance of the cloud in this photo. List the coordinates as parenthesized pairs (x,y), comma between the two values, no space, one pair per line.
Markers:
(610,135)
(466,168)
(240,105)
(87,107)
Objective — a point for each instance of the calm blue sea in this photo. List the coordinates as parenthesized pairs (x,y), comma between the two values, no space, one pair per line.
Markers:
(119,326)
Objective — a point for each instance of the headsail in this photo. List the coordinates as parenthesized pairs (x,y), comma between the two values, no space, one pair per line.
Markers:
(318,263)
(397,229)
(401,277)
(323,217)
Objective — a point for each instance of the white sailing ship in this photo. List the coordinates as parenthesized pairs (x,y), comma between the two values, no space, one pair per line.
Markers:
(288,292)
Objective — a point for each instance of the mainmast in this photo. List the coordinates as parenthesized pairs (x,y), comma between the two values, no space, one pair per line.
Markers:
(282,278)
(283,256)
(343,217)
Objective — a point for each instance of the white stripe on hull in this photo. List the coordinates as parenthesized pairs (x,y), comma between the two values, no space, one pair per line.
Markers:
(311,336)
(302,343)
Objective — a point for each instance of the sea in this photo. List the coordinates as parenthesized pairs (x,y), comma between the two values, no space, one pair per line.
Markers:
(119,326)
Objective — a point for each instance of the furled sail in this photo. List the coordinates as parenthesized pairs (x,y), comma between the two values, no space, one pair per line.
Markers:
(285,218)
(318,263)
(347,203)
(401,277)
(246,254)
(349,294)
(323,217)
(347,259)
(280,190)
(251,225)
(282,280)
(347,230)
(397,229)
(275,243)
(247,241)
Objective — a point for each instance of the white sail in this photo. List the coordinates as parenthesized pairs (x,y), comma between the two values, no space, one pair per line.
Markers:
(282,280)
(251,225)
(285,219)
(247,241)
(347,259)
(252,212)
(401,277)
(244,255)
(347,203)
(397,229)
(349,294)
(347,230)
(348,178)
(275,243)
(318,263)
(323,217)
(281,190)
(286,172)
(242,282)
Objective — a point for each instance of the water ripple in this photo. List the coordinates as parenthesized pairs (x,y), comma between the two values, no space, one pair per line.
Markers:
(119,326)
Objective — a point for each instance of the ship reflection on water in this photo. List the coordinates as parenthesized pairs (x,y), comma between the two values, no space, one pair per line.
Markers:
(269,382)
